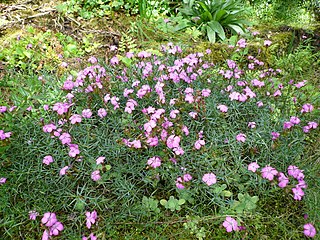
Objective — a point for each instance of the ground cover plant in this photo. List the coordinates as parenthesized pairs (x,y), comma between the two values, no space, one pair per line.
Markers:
(162,138)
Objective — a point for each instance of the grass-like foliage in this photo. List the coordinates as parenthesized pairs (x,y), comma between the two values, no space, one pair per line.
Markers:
(154,142)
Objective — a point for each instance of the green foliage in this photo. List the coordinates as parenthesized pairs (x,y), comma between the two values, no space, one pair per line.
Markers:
(215,19)
(279,12)
(192,225)
(150,205)
(87,9)
(172,204)
(37,49)
(246,203)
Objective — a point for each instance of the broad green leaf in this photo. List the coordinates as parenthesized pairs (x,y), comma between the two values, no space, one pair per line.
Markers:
(163,202)
(211,34)
(27,54)
(219,14)
(216,26)
(181,201)
(226,193)
(236,28)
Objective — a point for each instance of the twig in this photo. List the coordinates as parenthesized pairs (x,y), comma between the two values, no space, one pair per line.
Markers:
(40,14)
(171,222)
(10,24)
(101,32)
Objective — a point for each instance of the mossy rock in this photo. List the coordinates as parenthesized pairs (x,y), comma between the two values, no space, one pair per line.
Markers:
(219,51)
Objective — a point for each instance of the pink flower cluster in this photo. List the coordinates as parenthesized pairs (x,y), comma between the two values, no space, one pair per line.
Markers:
(231,224)
(180,182)
(54,226)
(4,135)
(209,178)
(91,218)
(154,162)
(270,173)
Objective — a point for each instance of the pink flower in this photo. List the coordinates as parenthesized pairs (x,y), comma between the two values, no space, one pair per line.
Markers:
(277,93)
(68,85)
(179,182)
(154,162)
(275,135)
(205,92)
(45,235)
(92,237)
(283,180)
(230,224)
(269,173)
(234,96)
(61,108)
(149,126)
(3,180)
(102,113)
(267,43)
(47,160)
(92,60)
(193,114)
(49,128)
(307,108)
(100,160)
(114,60)
(76,118)
(173,141)
(313,125)
(86,113)
(4,135)
(189,98)
(136,144)
(153,141)
(309,230)
(178,151)
(209,179)
(306,129)
(253,167)
(199,143)
(63,171)
(33,215)
(295,172)
(251,124)
(65,138)
(3,109)
(241,137)
(223,108)
(300,84)
(49,219)
(294,120)
(259,104)
(95,175)
(287,125)
(73,150)
(56,228)
(173,113)
(185,130)
(91,218)
(187,177)
(297,193)
(301,184)
(242,43)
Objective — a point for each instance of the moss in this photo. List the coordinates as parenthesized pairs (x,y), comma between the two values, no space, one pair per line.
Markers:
(219,51)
